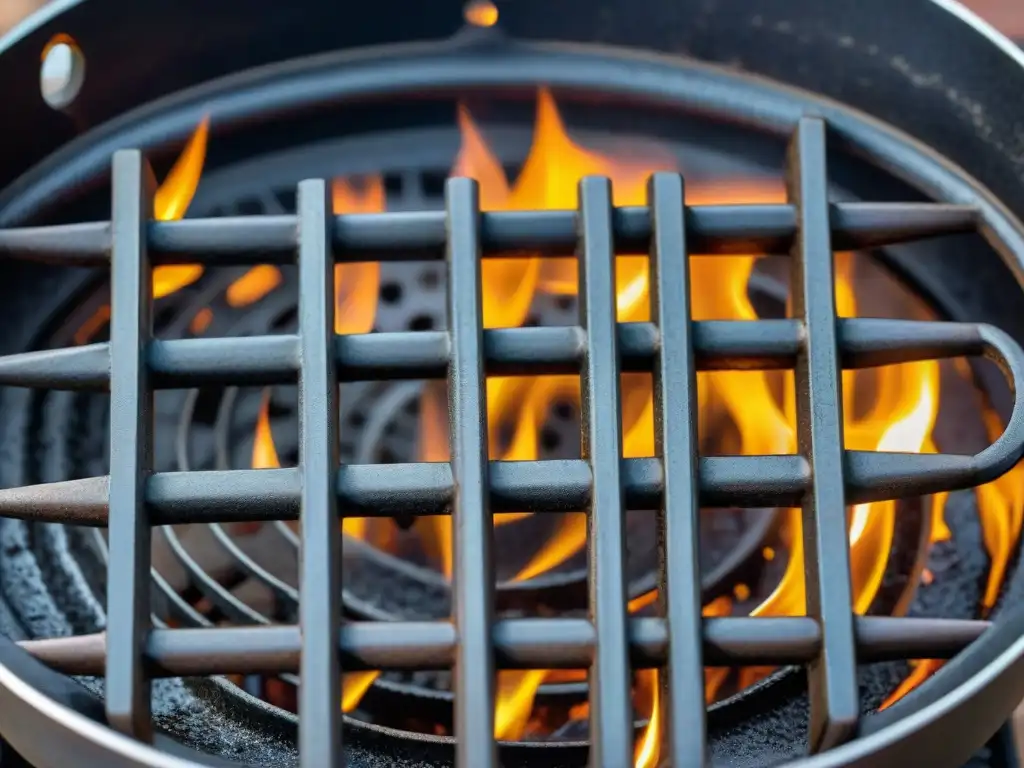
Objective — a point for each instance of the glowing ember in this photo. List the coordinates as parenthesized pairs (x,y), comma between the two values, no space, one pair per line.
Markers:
(201,321)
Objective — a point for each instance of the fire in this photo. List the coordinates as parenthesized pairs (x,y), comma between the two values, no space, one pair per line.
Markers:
(516,692)
(171,203)
(357,285)
(264,456)
(648,748)
(548,180)
(902,413)
(253,286)
(357,288)
(354,685)
(891,409)
(1001,505)
(508,284)
(264,452)
(481,13)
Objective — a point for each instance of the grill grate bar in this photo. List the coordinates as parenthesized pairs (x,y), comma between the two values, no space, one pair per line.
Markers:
(834,699)
(266,360)
(320,568)
(562,485)
(417,236)
(519,644)
(473,576)
(131,454)
(675,419)
(822,477)
(611,710)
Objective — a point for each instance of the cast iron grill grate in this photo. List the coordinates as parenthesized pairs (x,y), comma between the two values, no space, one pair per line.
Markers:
(822,479)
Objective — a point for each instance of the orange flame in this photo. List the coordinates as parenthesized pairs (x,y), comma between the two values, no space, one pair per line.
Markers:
(515,695)
(1001,506)
(481,13)
(253,286)
(264,452)
(171,203)
(648,748)
(920,671)
(357,285)
(264,456)
(354,685)
(905,400)
(756,406)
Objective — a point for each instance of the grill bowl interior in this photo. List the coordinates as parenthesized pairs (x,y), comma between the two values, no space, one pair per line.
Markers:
(903,259)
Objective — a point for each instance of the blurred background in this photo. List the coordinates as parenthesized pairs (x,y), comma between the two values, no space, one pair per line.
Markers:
(1006,15)
(13,11)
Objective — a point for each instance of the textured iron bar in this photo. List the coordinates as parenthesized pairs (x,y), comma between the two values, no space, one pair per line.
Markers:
(520,643)
(472,528)
(386,490)
(683,729)
(834,697)
(266,360)
(718,229)
(131,451)
(320,569)
(611,709)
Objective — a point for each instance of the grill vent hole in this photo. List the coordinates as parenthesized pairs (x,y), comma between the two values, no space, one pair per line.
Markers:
(391,293)
(421,323)
(550,439)
(433,184)
(62,73)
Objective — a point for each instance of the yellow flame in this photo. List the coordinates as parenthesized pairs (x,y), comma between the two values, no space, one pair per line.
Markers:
(357,285)
(253,286)
(755,407)
(1001,506)
(171,203)
(354,686)
(481,13)
(515,695)
(648,749)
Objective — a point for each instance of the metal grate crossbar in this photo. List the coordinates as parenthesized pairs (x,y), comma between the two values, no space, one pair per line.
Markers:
(822,478)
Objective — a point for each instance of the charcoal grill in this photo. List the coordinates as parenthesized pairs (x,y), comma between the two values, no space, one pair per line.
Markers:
(65,160)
